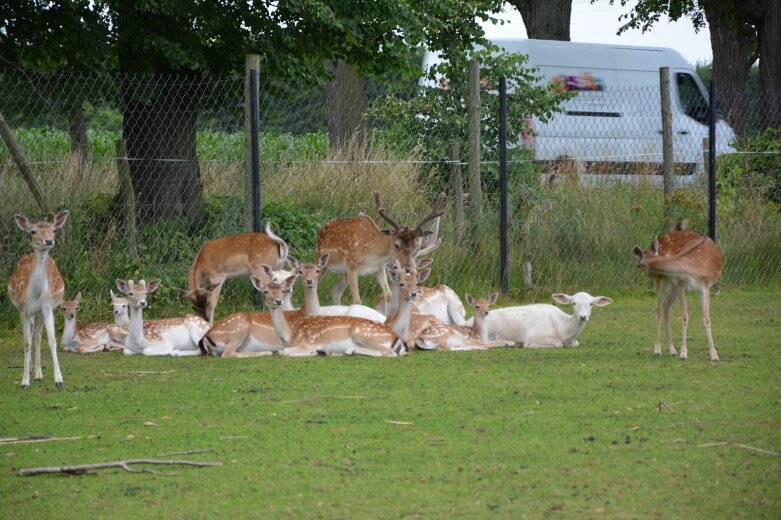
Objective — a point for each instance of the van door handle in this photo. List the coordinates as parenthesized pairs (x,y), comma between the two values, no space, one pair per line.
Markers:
(684,132)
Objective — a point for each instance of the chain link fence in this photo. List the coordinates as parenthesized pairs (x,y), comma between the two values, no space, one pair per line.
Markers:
(584,188)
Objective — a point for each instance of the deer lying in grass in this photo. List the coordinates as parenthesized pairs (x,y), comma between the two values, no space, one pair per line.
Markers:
(309,274)
(341,335)
(94,337)
(167,337)
(229,257)
(678,261)
(357,246)
(36,289)
(454,337)
(541,324)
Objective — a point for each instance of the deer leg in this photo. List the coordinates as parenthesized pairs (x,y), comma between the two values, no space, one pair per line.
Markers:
(377,351)
(338,290)
(298,352)
(660,288)
(27,331)
(705,292)
(684,319)
(382,279)
(212,299)
(48,317)
(668,303)
(352,278)
(37,329)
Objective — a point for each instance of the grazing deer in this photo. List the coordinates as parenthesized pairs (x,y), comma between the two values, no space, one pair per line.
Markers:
(36,289)
(249,334)
(94,337)
(541,324)
(229,257)
(167,337)
(309,274)
(454,337)
(678,261)
(341,335)
(357,246)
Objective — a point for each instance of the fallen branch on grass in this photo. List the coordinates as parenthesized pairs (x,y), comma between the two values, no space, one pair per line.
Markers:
(35,438)
(124,464)
(321,397)
(739,445)
(186,452)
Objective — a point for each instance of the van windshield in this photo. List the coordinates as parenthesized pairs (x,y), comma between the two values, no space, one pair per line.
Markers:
(691,99)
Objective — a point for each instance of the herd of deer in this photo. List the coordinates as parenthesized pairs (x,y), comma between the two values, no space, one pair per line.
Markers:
(405,317)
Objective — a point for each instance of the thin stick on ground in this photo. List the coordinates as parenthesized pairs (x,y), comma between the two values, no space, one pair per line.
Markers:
(739,445)
(35,438)
(124,464)
(186,452)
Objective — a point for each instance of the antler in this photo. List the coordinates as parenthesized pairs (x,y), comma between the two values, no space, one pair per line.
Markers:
(435,213)
(382,212)
(429,242)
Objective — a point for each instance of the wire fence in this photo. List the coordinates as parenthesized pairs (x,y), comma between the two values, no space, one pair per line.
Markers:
(584,187)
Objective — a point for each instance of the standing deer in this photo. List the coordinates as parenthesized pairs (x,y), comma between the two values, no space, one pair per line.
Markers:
(36,289)
(678,261)
(357,247)
(340,335)
(94,337)
(229,257)
(167,337)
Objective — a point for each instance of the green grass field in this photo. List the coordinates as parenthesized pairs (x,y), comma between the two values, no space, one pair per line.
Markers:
(605,430)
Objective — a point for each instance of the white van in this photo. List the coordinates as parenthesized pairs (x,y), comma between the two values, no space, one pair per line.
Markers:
(613,125)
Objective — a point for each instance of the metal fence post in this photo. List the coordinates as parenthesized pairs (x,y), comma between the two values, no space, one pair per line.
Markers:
(251,63)
(503,275)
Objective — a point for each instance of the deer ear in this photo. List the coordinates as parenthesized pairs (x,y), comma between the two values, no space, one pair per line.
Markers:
(112,294)
(323,260)
(290,280)
(23,223)
(601,301)
(386,231)
(655,246)
(292,262)
(492,299)
(60,218)
(153,285)
(122,285)
(184,293)
(256,283)
(561,298)
(469,299)
(422,275)
(425,262)
(267,270)
(638,253)
(77,299)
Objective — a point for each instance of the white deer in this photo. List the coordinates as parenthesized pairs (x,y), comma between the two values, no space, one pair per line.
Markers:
(453,337)
(678,261)
(94,337)
(166,337)
(340,335)
(36,289)
(541,324)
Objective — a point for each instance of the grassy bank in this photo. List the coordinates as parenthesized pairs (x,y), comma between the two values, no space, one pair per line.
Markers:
(602,430)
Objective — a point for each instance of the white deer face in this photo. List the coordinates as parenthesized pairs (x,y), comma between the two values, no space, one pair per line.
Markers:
(582,303)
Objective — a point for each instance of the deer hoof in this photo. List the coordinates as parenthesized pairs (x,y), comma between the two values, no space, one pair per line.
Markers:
(25,387)
(59,385)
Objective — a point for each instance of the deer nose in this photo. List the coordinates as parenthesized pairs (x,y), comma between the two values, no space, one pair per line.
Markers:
(583,318)
(309,281)
(48,242)
(142,303)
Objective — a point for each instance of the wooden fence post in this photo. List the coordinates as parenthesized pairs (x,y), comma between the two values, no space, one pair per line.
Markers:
(24,167)
(475,188)
(458,189)
(667,144)
(127,196)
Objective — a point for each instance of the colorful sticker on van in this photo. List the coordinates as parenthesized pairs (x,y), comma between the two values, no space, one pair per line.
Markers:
(585,81)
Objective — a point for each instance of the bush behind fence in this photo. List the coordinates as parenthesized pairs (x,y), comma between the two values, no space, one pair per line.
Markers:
(575,235)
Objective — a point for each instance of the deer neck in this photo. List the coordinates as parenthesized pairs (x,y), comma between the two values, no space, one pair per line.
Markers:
(400,321)
(393,306)
(570,327)
(68,332)
(311,301)
(281,325)
(38,283)
(135,328)
(287,303)
(479,327)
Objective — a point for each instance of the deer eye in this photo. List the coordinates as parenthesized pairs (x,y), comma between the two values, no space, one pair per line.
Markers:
(34,232)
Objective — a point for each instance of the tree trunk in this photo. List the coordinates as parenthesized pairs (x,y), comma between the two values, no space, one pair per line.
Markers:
(78,131)
(160,135)
(732,59)
(345,102)
(545,19)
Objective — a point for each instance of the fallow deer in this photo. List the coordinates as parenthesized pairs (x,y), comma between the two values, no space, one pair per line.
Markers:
(309,274)
(541,324)
(36,289)
(341,335)
(166,337)
(357,246)
(229,257)
(454,337)
(678,261)
(94,337)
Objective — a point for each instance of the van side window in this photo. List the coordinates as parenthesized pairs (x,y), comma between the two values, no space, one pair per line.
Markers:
(691,99)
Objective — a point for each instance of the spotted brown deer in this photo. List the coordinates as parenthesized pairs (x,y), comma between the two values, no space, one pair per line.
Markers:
(97,336)
(678,261)
(36,289)
(357,246)
(229,257)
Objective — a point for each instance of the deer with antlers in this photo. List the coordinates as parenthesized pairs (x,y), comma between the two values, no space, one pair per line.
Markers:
(341,335)
(678,261)
(166,337)
(36,289)
(357,246)
(94,337)
(229,257)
